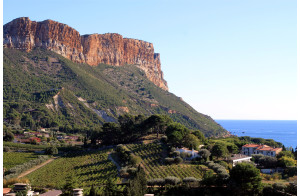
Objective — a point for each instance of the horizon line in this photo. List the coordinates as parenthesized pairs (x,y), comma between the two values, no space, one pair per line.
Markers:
(256,119)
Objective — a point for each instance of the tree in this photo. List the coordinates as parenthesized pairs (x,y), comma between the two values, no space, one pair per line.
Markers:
(9,136)
(191,142)
(246,179)
(138,184)
(176,133)
(92,191)
(219,150)
(51,150)
(268,162)
(71,183)
(200,136)
(285,153)
(158,122)
(111,188)
(204,154)
(286,161)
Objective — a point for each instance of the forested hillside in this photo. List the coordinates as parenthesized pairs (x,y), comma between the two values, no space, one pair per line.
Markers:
(43,89)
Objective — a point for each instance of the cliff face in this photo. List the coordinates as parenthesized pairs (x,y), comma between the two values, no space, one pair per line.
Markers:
(110,48)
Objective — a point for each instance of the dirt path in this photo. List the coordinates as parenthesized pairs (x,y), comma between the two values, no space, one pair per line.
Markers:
(114,162)
(36,167)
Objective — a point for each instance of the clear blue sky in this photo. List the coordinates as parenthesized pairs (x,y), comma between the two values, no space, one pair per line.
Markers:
(230,59)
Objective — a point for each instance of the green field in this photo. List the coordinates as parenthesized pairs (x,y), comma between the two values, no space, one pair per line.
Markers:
(152,156)
(11,159)
(84,169)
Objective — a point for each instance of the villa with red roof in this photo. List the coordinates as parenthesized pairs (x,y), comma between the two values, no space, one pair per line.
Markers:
(250,149)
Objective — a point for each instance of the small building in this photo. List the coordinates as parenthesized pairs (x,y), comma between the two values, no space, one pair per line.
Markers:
(23,187)
(77,192)
(239,158)
(6,190)
(193,153)
(250,149)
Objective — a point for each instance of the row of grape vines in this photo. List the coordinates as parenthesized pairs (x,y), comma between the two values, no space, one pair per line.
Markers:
(82,169)
(152,156)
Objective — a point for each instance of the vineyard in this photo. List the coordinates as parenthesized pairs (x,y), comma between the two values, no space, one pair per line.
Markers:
(83,169)
(12,159)
(152,156)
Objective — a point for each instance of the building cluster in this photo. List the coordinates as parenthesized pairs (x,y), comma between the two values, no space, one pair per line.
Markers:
(43,135)
(266,150)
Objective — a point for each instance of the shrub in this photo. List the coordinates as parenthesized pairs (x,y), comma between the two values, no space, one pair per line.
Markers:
(6,149)
(164,139)
(169,160)
(190,179)
(178,160)
(256,157)
(204,154)
(134,160)
(51,150)
(176,154)
(172,180)
(7,183)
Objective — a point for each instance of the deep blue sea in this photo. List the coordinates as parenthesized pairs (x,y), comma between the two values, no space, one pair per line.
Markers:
(284,131)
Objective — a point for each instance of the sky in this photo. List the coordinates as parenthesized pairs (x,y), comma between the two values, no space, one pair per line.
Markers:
(229,59)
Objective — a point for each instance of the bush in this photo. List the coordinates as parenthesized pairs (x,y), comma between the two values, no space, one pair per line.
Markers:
(204,154)
(172,180)
(169,160)
(51,150)
(176,154)
(178,160)
(256,157)
(6,149)
(134,160)
(190,179)
(164,139)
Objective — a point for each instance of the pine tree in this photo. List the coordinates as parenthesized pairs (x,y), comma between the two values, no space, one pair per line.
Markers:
(111,188)
(92,191)
(138,184)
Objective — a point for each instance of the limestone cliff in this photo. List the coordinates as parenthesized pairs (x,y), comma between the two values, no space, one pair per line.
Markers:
(109,48)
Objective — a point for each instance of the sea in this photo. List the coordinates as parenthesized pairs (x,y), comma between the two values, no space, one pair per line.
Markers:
(284,131)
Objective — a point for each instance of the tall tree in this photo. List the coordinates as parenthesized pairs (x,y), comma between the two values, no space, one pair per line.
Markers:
(246,179)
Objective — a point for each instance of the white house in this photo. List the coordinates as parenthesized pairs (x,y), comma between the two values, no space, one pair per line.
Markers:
(193,153)
(239,158)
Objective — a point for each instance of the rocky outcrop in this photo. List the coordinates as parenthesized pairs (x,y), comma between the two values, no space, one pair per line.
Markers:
(109,48)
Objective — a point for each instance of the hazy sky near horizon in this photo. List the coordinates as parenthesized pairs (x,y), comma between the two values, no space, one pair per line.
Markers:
(229,59)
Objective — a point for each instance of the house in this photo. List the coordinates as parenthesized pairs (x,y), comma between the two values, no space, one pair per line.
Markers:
(24,187)
(239,158)
(193,153)
(77,192)
(6,190)
(250,149)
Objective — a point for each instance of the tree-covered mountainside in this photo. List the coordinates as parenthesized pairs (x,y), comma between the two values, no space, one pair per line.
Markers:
(43,89)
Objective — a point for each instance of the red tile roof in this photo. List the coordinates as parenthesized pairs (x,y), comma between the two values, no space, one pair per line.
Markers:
(6,190)
(260,147)
(251,145)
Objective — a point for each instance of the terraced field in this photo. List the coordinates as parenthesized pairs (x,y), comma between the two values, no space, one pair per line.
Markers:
(152,156)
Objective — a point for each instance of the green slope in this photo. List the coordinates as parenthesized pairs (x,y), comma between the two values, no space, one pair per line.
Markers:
(42,88)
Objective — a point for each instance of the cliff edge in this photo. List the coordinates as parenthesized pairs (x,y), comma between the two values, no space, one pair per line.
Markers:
(109,48)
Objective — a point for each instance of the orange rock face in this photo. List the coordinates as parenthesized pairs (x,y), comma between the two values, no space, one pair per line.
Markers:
(109,48)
